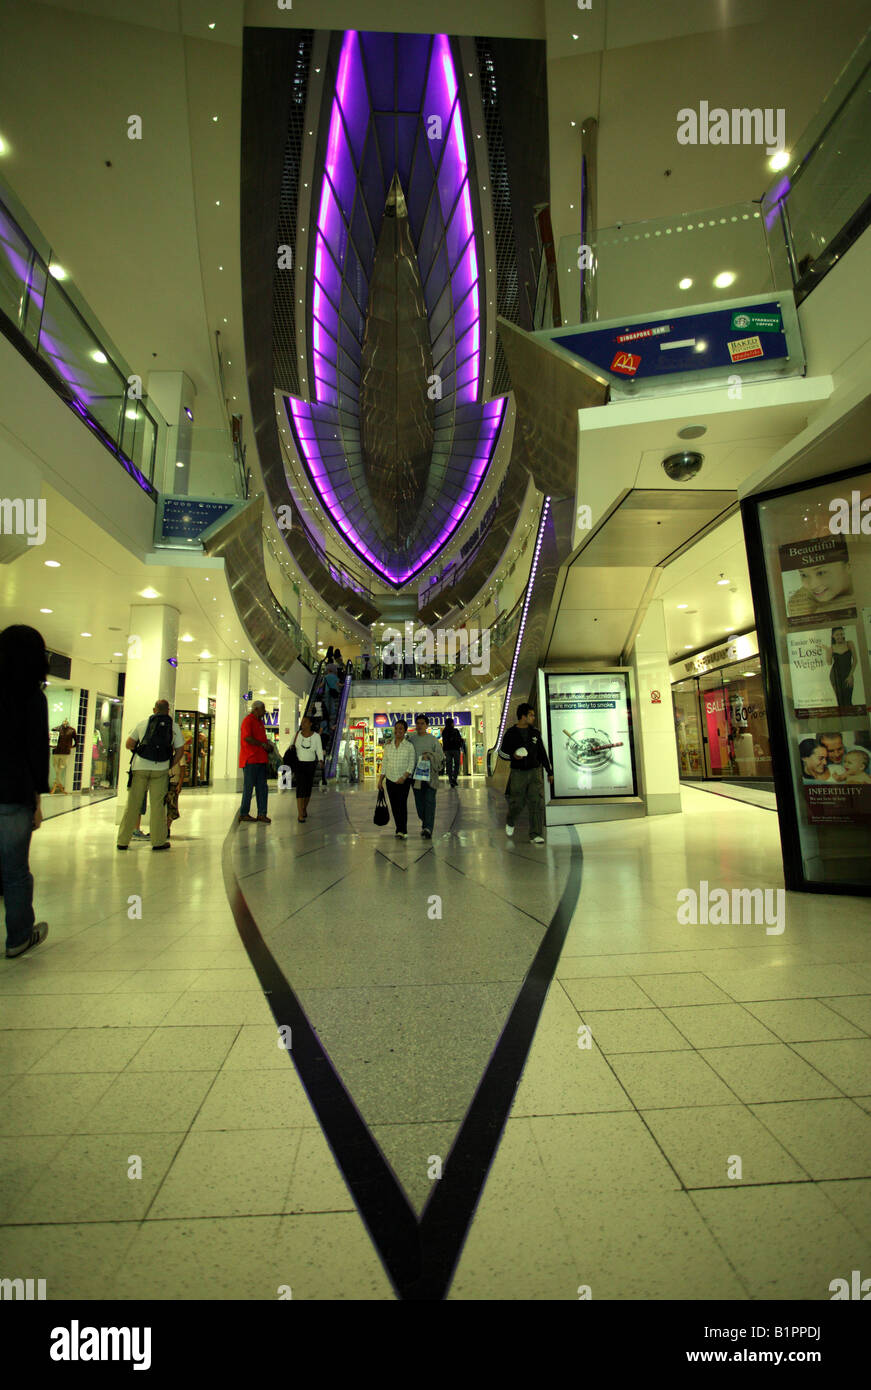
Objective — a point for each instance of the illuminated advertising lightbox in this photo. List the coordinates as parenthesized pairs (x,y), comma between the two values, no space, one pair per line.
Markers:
(590,734)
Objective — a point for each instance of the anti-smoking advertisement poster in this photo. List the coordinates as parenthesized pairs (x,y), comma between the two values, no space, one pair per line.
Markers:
(590,740)
(817,581)
(826,672)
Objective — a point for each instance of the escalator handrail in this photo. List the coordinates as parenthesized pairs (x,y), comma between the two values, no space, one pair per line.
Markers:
(332,760)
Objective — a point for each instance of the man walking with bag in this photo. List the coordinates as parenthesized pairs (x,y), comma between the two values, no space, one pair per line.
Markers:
(397,767)
(452,743)
(157,744)
(430,760)
(524,747)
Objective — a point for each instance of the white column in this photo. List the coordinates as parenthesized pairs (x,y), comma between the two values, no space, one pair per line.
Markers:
(655,746)
(151,641)
(230,710)
(204,690)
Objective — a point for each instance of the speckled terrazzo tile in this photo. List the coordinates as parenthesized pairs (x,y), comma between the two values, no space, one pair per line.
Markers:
(771,1072)
(22,1048)
(51,1104)
(77,1261)
(516,1213)
(93,1049)
(857,1009)
(658,1248)
(633,1030)
(184,1049)
(316,1183)
(605,1153)
(846,1063)
(22,1162)
(256,1100)
(654,1080)
(402,1053)
(718,1025)
(701,1144)
(829,1138)
(328,1256)
(89,1178)
(786,1241)
(150,1102)
(676,991)
(45,1010)
(615,992)
(238,1173)
(209,1259)
(804,1020)
(853,1200)
(256,1049)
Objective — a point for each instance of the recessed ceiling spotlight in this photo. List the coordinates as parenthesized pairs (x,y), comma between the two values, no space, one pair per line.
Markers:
(778,161)
(52,564)
(692,431)
(148,593)
(46,610)
(685,284)
(724,279)
(722,580)
(683,605)
(57,271)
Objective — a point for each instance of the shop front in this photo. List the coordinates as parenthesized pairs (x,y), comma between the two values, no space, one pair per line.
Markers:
(721,724)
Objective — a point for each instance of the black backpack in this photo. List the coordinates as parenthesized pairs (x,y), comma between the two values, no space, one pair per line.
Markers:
(156,746)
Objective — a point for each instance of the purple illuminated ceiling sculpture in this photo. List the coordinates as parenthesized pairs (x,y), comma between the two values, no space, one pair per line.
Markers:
(394,434)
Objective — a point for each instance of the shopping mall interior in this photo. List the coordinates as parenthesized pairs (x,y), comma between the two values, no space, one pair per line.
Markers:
(367,372)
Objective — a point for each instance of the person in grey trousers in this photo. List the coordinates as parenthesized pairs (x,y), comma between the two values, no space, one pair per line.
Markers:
(428,749)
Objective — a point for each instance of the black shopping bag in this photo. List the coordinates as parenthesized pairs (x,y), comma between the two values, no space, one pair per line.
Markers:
(382,810)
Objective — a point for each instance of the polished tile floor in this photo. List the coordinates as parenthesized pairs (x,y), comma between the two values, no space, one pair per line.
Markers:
(712,1140)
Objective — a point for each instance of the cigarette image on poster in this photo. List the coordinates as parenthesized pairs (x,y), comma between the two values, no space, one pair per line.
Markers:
(826,672)
(589,728)
(817,581)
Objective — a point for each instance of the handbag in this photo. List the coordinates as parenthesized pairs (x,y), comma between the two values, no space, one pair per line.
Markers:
(382,810)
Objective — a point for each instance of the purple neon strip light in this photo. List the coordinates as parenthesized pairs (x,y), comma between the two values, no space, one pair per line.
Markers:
(300,418)
(335,208)
(523,612)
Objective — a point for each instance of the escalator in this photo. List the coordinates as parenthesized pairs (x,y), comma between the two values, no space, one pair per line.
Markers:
(331,756)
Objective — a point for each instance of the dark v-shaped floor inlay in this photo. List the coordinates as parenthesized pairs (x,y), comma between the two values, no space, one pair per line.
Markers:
(420,1256)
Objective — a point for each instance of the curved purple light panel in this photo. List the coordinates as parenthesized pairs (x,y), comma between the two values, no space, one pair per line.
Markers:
(327,428)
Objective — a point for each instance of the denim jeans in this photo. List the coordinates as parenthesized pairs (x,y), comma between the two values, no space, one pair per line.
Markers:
(16,828)
(254,782)
(425,801)
(452,764)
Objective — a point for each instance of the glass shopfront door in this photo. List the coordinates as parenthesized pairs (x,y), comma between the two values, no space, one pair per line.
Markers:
(198,734)
(108,712)
(721,725)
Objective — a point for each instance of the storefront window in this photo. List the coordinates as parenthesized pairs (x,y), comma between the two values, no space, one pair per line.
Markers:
(108,710)
(721,724)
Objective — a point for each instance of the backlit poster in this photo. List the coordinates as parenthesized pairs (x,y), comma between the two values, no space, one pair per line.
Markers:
(817,580)
(826,672)
(589,729)
(836,776)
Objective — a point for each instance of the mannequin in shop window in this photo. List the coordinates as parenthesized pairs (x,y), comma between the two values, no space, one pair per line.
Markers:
(67,739)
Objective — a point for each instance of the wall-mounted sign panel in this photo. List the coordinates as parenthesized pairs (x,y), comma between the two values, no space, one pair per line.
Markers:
(700,346)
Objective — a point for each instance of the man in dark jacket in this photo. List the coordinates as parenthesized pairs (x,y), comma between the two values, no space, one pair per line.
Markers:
(452,743)
(524,748)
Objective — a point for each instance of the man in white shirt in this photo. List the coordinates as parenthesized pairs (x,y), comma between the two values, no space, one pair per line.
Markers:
(398,762)
(157,744)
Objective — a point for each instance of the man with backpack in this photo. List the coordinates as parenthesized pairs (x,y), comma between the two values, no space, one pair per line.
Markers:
(157,744)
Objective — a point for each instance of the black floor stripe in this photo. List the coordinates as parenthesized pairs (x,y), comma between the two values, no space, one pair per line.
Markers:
(420,1256)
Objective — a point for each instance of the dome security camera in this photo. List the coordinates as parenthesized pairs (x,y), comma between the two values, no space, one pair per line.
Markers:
(681,467)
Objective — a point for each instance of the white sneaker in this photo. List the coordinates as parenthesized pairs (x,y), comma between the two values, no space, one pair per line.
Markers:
(509,830)
(538,840)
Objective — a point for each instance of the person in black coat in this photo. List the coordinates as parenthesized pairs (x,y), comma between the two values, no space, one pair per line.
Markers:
(23,777)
